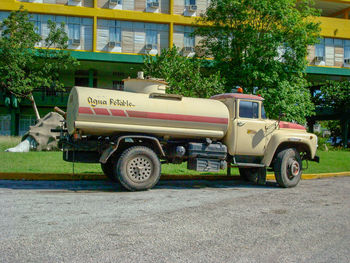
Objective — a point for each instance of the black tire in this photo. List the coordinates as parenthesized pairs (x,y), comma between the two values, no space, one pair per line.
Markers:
(138,168)
(253,174)
(108,169)
(288,168)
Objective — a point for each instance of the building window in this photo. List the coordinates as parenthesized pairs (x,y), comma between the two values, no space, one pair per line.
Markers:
(338,42)
(84,82)
(115,2)
(190,7)
(190,2)
(74,30)
(35,19)
(188,40)
(82,78)
(320,50)
(119,74)
(81,81)
(5,125)
(329,42)
(188,37)
(115,36)
(152,4)
(118,85)
(24,122)
(346,49)
(151,39)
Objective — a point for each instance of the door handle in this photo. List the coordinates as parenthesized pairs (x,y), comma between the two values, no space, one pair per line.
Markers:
(240,123)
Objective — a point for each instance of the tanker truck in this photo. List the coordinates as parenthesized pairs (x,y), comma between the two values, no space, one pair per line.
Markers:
(132,132)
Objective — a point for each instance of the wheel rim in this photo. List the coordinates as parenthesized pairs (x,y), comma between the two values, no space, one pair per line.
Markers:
(140,169)
(293,168)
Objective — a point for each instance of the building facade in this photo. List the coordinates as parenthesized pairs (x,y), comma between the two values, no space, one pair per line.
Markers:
(109,37)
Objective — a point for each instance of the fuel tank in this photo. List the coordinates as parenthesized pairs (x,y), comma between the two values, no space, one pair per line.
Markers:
(146,109)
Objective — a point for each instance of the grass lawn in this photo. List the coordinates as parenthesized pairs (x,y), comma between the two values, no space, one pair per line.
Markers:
(51,162)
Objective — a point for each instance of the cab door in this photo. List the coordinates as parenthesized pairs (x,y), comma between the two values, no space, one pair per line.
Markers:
(249,129)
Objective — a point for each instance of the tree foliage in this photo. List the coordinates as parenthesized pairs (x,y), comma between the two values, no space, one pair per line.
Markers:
(24,66)
(334,127)
(336,95)
(261,45)
(289,97)
(184,75)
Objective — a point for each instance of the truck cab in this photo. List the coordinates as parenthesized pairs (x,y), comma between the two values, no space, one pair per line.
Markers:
(246,134)
(255,142)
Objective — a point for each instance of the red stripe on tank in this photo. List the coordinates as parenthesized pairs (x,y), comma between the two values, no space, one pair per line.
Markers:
(118,113)
(176,117)
(101,111)
(153,115)
(85,110)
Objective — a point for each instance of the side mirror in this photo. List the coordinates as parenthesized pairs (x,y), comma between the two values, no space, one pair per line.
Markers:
(281,116)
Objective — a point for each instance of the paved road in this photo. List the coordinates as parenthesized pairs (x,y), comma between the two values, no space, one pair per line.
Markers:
(222,221)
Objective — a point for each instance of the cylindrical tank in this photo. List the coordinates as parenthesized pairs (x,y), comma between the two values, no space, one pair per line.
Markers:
(106,112)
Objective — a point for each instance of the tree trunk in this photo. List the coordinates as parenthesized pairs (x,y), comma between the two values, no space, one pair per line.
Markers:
(35,108)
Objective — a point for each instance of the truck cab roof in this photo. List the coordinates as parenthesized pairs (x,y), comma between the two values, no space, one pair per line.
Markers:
(236,96)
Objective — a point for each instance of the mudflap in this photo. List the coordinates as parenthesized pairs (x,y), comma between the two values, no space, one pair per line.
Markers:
(261,176)
(107,153)
(316,159)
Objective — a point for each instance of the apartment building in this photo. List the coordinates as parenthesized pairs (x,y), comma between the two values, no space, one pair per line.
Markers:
(110,37)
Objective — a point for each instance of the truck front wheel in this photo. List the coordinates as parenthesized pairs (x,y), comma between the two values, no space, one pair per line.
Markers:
(288,168)
(138,168)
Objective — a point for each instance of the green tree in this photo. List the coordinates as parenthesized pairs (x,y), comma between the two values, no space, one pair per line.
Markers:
(24,66)
(261,45)
(336,95)
(185,76)
(334,127)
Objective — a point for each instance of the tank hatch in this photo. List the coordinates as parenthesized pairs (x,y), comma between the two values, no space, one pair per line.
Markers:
(145,85)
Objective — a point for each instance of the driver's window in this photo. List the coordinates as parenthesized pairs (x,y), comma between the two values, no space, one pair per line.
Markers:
(248,109)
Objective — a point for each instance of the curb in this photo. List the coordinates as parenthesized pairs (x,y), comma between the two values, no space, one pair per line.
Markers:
(93,177)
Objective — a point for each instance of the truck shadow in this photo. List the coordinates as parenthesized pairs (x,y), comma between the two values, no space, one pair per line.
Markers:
(200,184)
(107,186)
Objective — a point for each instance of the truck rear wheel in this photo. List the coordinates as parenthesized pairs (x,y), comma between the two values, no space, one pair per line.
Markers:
(288,168)
(138,168)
